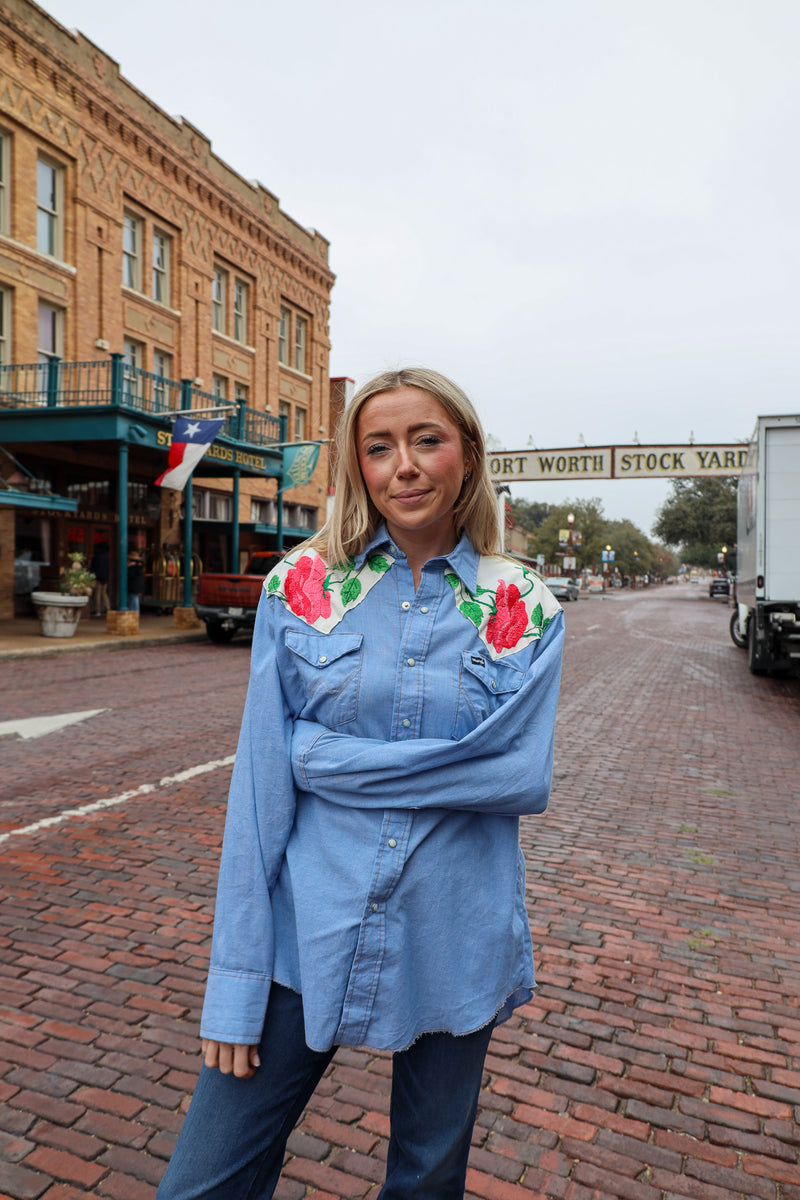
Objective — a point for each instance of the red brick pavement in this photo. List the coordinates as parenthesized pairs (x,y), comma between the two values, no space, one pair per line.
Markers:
(660,1056)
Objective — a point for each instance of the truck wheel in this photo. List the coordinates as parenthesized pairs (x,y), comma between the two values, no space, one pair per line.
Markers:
(217,632)
(738,637)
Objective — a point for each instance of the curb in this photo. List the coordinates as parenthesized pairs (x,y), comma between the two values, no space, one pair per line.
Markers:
(126,643)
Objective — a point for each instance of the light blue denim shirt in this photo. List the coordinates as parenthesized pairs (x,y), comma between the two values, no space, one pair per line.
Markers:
(390,741)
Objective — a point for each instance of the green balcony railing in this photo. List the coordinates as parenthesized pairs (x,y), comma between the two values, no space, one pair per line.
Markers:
(114,383)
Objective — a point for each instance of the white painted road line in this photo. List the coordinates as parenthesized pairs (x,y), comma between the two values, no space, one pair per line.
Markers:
(36,727)
(94,806)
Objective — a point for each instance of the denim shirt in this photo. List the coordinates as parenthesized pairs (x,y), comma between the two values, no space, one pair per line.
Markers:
(391,740)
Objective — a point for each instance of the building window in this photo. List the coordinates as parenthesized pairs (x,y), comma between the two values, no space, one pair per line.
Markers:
(263,512)
(5,169)
(132,353)
(51,321)
(293,338)
(285,410)
(299,423)
(211,506)
(5,326)
(132,357)
(219,387)
(240,310)
(300,331)
(283,336)
(160,280)
(240,393)
(162,371)
(49,205)
(132,252)
(219,290)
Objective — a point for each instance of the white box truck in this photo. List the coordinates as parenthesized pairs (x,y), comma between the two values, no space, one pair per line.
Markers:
(768,547)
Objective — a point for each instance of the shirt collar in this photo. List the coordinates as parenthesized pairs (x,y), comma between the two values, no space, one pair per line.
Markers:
(463,558)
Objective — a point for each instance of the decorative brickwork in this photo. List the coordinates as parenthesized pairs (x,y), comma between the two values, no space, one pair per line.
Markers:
(186,618)
(122,624)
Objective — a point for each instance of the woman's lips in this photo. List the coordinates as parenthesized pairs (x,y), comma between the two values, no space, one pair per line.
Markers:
(410,497)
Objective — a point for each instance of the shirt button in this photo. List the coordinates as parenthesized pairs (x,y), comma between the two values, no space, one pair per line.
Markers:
(411,661)
(424,608)
(323,658)
(494,685)
(393,842)
(374,908)
(406,722)
(405,605)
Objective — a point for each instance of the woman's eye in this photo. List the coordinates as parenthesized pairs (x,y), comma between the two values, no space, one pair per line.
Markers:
(430,439)
(376,448)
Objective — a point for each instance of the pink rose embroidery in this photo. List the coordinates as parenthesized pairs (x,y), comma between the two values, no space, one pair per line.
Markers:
(306,594)
(508,623)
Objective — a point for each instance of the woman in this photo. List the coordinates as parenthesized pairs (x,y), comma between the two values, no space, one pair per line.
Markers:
(399,719)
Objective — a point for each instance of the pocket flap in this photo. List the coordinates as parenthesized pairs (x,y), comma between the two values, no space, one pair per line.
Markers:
(320,650)
(497,676)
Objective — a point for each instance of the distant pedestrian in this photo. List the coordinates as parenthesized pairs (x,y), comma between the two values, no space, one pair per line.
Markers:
(135,581)
(100,566)
(399,719)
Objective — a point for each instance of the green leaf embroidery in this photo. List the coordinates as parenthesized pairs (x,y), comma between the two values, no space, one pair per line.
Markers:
(274,584)
(378,564)
(482,591)
(452,580)
(536,615)
(473,611)
(351,590)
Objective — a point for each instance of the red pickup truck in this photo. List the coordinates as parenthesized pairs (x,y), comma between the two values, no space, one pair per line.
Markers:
(228,603)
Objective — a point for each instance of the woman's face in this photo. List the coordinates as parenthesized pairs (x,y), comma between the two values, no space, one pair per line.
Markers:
(413,463)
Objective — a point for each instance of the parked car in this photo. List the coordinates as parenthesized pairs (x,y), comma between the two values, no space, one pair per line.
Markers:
(563,588)
(719,586)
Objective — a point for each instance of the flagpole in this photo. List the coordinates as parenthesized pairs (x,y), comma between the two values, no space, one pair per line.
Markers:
(193,412)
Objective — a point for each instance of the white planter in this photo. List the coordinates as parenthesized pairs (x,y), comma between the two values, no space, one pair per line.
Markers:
(58,612)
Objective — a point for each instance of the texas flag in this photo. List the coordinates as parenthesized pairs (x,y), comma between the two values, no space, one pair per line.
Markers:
(190,440)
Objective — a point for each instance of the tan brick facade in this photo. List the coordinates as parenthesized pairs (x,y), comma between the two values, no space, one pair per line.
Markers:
(159,249)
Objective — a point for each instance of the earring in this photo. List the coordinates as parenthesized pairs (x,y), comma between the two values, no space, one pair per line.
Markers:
(467,475)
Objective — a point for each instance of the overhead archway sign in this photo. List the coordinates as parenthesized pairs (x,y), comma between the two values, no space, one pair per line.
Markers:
(618,462)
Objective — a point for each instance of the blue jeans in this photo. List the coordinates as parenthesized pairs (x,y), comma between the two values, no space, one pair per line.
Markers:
(133,602)
(234,1137)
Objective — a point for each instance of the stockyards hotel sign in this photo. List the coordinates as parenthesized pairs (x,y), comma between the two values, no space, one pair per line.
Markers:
(618,462)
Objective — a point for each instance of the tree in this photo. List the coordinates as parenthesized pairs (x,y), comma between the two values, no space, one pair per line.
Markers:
(700,517)
(589,523)
(527,514)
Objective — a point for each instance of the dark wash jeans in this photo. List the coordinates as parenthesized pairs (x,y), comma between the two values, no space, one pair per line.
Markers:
(233,1140)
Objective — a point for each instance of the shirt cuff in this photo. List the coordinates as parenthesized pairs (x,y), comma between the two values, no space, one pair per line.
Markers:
(235,1006)
(305,734)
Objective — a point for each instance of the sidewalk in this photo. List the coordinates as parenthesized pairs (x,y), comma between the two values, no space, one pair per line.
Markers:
(22,637)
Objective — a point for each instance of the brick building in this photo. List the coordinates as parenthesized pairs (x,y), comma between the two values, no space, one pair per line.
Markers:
(139,275)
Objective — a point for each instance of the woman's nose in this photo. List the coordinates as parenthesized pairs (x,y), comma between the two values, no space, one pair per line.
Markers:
(405,462)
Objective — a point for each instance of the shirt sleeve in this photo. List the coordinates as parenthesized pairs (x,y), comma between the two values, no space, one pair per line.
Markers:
(504,766)
(261,807)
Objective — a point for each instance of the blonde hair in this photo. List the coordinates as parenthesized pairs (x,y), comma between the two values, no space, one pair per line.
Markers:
(354,518)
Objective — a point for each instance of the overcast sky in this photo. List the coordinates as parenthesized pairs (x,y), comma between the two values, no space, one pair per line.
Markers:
(584,211)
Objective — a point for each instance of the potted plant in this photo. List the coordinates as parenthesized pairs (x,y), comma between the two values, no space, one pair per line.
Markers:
(59,612)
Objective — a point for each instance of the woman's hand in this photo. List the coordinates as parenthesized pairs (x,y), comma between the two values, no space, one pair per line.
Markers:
(229,1058)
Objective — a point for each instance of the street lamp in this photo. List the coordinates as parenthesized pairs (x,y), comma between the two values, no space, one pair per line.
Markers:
(635,569)
(608,567)
(570,523)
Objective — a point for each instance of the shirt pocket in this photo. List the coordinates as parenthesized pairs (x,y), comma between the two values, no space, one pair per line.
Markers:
(329,670)
(483,686)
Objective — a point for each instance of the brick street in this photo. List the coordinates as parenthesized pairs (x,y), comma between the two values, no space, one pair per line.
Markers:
(660,1058)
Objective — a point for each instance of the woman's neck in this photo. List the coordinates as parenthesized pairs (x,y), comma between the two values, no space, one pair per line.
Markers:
(419,547)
